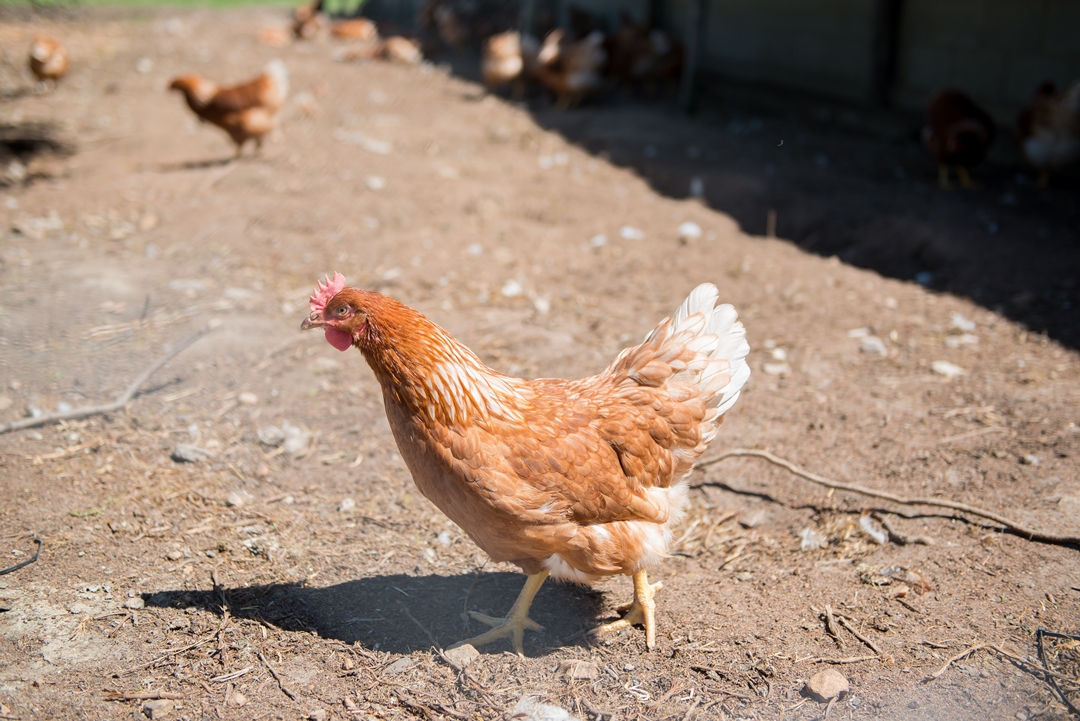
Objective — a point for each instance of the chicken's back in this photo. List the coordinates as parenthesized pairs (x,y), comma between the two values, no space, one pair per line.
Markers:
(958,130)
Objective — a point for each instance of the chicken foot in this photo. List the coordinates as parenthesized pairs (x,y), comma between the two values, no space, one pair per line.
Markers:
(641,611)
(513,625)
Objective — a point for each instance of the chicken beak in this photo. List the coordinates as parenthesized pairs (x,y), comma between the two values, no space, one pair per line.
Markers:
(314,320)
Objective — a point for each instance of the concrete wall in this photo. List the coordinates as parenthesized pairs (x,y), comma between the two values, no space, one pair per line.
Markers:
(996,50)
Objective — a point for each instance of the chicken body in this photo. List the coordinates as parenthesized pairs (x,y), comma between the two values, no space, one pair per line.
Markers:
(508,58)
(571,70)
(1049,130)
(360,29)
(958,133)
(574,479)
(247,111)
(49,60)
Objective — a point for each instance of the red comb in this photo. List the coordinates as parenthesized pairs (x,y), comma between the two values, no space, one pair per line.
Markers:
(324,291)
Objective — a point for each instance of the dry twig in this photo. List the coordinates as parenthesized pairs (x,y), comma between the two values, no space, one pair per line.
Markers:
(280,683)
(122,400)
(142,695)
(1017,528)
(830,626)
(957,657)
(870,644)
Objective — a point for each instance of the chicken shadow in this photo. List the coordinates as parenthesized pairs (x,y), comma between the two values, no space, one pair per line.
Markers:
(402,614)
(194,164)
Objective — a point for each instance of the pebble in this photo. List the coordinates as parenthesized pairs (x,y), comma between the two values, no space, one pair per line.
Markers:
(779,354)
(248,399)
(375,182)
(947,369)
(689,231)
(234,500)
(873,345)
(826,685)
(628,232)
(1029,460)
(174,555)
(962,340)
(400,666)
(319,715)
(346,505)
(135,603)
(598,241)
(237,699)
(752,519)
(576,670)
(512,289)
(959,322)
(858,333)
(776,369)
(157,709)
(188,453)
(462,656)
(444,538)
(79,608)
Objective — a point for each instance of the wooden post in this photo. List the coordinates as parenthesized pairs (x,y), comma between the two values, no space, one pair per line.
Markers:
(885,50)
(687,88)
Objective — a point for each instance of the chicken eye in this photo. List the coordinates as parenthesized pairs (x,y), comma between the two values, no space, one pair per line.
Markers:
(342,310)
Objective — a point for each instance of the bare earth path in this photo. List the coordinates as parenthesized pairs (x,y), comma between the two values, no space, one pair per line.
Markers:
(329,567)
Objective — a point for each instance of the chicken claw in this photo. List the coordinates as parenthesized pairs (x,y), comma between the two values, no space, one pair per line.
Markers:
(641,611)
(513,625)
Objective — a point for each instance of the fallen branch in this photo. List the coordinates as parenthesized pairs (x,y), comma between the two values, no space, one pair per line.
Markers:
(901,539)
(25,563)
(1013,526)
(849,659)
(952,659)
(142,696)
(1039,635)
(121,402)
(159,659)
(870,644)
(277,678)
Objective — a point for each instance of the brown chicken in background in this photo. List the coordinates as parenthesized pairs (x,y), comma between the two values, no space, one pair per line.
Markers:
(247,111)
(958,133)
(571,69)
(49,60)
(1048,131)
(573,479)
(360,29)
(395,49)
(638,54)
(509,58)
(308,20)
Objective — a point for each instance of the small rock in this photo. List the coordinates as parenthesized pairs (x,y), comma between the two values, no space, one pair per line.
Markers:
(512,289)
(79,608)
(961,341)
(959,322)
(826,685)
(576,670)
(858,333)
(248,399)
(159,708)
(346,505)
(779,354)
(135,603)
(174,555)
(400,666)
(1029,460)
(318,715)
(237,699)
(744,576)
(271,436)
(462,656)
(873,345)
(947,369)
(444,538)
(752,519)
(234,500)
(598,241)
(375,182)
(188,453)
(628,232)
(776,369)
(689,231)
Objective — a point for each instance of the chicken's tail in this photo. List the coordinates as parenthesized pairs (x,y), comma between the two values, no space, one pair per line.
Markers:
(696,359)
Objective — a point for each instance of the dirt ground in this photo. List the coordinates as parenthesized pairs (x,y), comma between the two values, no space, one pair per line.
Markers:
(298,543)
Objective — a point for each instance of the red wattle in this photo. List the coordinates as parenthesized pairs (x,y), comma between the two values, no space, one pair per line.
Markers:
(338,338)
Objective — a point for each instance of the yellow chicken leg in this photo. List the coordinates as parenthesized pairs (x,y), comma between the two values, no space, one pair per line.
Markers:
(641,611)
(513,625)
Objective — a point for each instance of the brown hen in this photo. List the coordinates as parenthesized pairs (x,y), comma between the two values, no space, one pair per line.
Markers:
(574,479)
(958,133)
(49,60)
(247,111)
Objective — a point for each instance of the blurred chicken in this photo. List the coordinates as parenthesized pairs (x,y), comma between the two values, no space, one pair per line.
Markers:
(247,111)
(639,54)
(49,60)
(958,133)
(360,29)
(308,20)
(396,49)
(1048,131)
(571,70)
(507,58)
(574,479)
